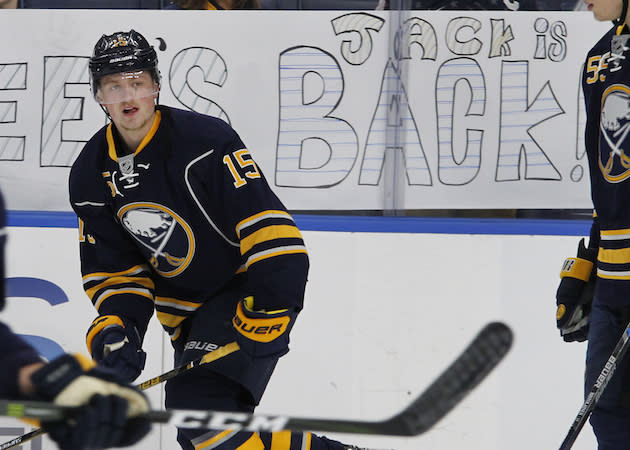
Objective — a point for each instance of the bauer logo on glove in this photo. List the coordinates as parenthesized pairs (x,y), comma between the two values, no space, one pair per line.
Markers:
(262,333)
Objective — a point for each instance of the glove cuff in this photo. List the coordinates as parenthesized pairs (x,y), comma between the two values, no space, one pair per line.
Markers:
(100,324)
(577,268)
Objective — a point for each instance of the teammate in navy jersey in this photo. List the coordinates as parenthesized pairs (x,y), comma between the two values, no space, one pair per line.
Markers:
(605,263)
(102,421)
(176,217)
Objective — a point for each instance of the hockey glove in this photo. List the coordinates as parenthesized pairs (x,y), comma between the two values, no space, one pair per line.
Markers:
(107,413)
(575,294)
(115,343)
(262,333)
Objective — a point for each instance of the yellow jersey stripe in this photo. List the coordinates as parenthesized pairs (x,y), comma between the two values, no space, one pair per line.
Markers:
(105,295)
(111,147)
(207,440)
(614,256)
(176,303)
(267,234)
(142,281)
(251,220)
(253,443)
(102,275)
(169,320)
(288,250)
(614,235)
(281,440)
(612,275)
(306,441)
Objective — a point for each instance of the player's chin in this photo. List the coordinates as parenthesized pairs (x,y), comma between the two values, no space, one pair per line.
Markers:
(602,16)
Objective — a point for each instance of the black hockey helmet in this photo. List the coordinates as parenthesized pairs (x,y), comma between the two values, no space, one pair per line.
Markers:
(122,52)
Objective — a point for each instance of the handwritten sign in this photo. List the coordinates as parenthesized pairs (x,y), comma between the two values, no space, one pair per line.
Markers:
(341,110)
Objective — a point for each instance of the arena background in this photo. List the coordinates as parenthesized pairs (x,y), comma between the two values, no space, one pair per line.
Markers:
(358,111)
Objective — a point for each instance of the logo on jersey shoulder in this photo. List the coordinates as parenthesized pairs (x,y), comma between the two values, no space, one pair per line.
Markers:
(165,239)
(613,137)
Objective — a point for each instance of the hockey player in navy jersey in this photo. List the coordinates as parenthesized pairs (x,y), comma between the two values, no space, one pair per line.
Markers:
(176,217)
(71,380)
(605,261)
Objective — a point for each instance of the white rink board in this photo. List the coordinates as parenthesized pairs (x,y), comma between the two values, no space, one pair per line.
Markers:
(385,313)
(489,102)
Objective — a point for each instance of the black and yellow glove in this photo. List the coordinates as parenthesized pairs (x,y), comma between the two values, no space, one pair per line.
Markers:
(115,342)
(575,294)
(108,411)
(262,333)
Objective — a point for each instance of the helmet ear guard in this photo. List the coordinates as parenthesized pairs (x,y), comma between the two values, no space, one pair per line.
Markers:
(624,11)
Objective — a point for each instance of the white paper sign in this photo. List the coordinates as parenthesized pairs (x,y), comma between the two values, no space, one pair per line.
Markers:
(342,110)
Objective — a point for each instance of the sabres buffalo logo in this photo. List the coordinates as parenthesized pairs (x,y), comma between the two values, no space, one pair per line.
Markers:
(165,239)
(614,128)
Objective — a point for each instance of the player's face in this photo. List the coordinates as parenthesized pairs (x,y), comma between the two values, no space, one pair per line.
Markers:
(129,99)
(605,9)
(125,86)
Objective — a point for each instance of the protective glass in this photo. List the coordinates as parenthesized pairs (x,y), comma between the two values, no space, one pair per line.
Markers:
(125,87)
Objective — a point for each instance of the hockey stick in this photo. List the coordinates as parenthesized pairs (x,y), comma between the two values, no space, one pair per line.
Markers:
(480,357)
(205,359)
(598,388)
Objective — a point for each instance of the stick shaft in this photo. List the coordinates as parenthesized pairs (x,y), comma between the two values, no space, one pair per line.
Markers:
(598,388)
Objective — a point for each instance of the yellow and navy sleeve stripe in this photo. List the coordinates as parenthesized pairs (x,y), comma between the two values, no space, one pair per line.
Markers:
(614,254)
(128,293)
(171,312)
(269,234)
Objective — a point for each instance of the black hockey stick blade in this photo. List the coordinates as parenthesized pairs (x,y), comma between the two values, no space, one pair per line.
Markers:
(205,359)
(480,357)
(597,389)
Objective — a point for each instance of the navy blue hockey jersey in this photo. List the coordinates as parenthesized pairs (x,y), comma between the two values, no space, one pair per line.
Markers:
(606,87)
(170,226)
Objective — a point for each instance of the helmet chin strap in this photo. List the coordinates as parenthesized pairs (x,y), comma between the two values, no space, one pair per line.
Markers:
(624,11)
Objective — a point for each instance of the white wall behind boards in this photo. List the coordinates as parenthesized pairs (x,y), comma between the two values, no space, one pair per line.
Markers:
(385,313)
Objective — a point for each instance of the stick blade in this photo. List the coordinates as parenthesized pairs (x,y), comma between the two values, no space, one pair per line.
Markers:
(470,368)
(481,356)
